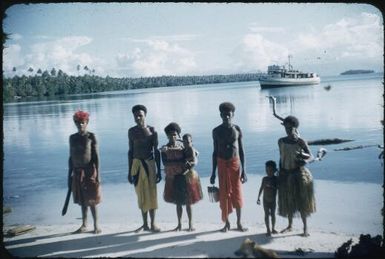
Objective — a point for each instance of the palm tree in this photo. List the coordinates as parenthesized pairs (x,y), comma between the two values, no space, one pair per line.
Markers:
(53,72)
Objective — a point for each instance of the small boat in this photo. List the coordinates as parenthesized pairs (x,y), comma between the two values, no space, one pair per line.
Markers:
(279,76)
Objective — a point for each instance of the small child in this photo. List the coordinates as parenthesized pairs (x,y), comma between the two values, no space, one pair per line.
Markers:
(269,188)
(194,189)
(190,153)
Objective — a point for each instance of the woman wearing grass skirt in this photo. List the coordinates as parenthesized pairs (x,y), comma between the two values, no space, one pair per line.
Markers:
(178,187)
(296,192)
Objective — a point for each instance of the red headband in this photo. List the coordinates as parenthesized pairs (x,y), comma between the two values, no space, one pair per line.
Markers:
(81,116)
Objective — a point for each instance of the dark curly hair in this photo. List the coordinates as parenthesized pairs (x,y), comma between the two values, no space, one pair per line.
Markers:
(271,164)
(291,120)
(226,107)
(185,136)
(139,107)
(173,126)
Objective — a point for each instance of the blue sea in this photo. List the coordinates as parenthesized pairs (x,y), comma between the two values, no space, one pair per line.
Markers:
(36,133)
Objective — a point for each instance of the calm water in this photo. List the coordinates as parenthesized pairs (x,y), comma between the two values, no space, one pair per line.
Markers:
(36,133)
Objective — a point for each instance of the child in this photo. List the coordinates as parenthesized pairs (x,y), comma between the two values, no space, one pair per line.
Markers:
(193,186)
(191,154)
(83,173)
(269,188)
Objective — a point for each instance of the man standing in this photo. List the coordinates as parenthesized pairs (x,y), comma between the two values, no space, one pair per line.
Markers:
(83,170)
(228,155)
(144,165)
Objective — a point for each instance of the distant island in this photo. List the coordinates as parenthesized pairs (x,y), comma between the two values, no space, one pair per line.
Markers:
(356,71)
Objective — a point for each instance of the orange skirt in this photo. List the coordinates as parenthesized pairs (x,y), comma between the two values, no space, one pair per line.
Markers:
(230,186)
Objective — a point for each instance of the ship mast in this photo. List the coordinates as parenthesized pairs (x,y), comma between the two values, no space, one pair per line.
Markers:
(290,56)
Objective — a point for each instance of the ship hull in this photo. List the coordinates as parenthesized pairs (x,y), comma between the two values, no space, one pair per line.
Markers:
(284,82)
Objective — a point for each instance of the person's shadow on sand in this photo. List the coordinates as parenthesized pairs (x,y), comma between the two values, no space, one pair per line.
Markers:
(129,244)
(90,244)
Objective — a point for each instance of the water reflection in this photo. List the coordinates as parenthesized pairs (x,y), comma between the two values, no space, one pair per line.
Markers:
(36,134)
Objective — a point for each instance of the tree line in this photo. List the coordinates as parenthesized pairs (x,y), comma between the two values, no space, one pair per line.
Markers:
(58,83)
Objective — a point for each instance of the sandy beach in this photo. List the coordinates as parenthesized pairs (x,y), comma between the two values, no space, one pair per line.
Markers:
(344,211)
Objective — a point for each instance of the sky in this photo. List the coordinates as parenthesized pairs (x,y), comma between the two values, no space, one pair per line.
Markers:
(155,39)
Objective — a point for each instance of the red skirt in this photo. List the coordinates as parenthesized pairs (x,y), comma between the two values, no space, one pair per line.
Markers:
(194,188)
(230,186)
(85,189)
(183,189)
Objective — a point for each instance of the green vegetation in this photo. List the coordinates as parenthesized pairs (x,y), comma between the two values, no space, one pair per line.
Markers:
(57,83)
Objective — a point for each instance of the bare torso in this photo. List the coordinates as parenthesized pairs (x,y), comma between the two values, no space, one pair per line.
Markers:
(81,148)
(226,141)
(269,188)
(142,142)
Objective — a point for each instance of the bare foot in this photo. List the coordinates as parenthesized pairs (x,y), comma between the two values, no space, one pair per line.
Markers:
(240,228)
(288,229)
(97,231)
(155,229)
(268,234)
(190,229)
(82,229)
(274,231)
(143,227)
(305,234)
(226,227)
(146,228)
(178,228)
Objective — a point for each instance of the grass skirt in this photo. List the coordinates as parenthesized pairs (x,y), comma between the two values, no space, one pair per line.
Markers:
(295,192)
(183,189)
(194,188)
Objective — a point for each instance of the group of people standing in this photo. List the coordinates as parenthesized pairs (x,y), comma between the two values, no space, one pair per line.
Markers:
(182,184)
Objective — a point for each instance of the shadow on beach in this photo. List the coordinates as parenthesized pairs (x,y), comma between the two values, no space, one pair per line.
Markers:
(144,244)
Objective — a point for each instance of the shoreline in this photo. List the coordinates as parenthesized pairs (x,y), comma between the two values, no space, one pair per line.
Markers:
(338,218)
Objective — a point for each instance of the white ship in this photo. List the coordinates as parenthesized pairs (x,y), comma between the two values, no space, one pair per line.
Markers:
(279,76)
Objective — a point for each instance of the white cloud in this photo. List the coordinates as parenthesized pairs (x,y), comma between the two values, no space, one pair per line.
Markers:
(360,37)
(256,53)
(63,53)
(351,39)
(156,58)
(12,57)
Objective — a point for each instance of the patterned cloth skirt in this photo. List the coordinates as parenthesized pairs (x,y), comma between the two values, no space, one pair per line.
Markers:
(85,189)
